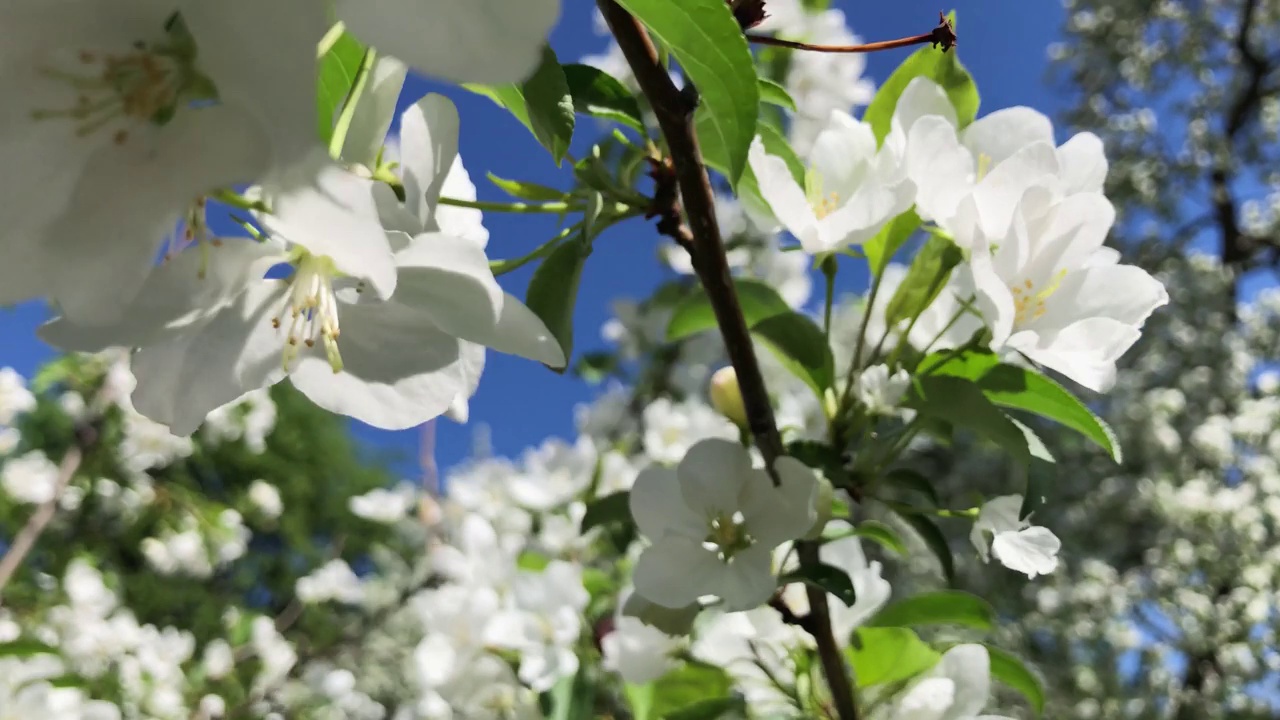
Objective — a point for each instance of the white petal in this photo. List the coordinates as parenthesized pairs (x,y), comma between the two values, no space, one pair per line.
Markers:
(331,212)
(471,363)
(858,220)
(521,332)
(1033,551)
(842,154)
(262,58)
(786,512)
(784,196)
(1085,351)
(712,476)
(658,507)
(374,112)
(999,193)
(450,278)
(675,571)
(1001,514)
(928,699)
(922,97)
(969,667)
(398,370)
(1083,163)
(26,28)
(747,581)
(994,300)
(462,222)
(132,194)
(174,294)
(1001,134)
(1125,293)
(184,378)
(485,41)
(428,148)
(941,168)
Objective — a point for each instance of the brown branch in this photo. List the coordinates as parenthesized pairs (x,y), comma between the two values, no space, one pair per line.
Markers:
(26,539)
(674,110)
(943,36)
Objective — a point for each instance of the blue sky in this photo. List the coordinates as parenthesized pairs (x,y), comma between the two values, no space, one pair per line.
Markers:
(1003,45)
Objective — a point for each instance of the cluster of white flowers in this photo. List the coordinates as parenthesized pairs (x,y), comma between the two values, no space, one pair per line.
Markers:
(147,113)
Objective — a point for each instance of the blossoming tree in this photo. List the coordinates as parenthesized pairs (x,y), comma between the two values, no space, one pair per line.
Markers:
(757,518)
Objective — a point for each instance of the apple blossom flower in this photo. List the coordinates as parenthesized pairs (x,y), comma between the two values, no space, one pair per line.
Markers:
(850,189)
(1015,542)
(879,391)
(1049,290)
(714,521)
(957,688)
(544,623)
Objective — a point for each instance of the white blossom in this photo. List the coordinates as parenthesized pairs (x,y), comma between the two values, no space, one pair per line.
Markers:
(1015,542)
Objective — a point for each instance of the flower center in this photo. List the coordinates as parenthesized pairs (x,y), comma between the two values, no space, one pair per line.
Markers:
(147,83)
(728,535)
(823,203)
(1028,302)
(312,309)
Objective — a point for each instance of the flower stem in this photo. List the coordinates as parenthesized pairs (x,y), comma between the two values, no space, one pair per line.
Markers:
(523,208)
(829,272)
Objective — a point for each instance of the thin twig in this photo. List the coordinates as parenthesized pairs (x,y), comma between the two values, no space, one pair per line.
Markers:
(943,36)
(36,524)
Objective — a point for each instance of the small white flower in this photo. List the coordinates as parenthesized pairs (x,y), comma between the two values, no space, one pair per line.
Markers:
(637,652)
(266,498)
(218,659)
(870,588)
(15,398)
(850,190)
(31,478)
(1016,543)
(671,429)
(544,623)
(384,506)
(714,522)
(957,688)
(332,581)
(553,474)
(880,392)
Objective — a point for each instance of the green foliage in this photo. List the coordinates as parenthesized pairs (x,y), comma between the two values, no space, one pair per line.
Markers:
(881,655)
(882,534)
(1019,388)
(881,248)
(925,279)
(801,346)
(553,291)
(615,508)
(772,93)
(943,68)
(599,94)
(338,67)
(828,578)
(706,40)
(1011,671)
(945,607)
(680,690)
(931,534)
(542,103)
(962,403)
(758,299)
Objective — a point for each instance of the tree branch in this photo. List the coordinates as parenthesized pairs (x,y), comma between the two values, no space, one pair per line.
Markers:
(674,111)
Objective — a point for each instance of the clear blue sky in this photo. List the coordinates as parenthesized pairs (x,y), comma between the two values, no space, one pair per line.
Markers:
(1003,45)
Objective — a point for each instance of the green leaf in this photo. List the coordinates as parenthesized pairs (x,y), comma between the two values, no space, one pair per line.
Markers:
(550,105)
(801,345)
(509,97)
(933,539)
(881,248)
(336,73)
(708,709)
(599,94)
(693,315)
(553,291)
(527,190)
(943,68)
(748,188)
(613,508)
(912,480)
(926,277)
(883,534)
(684,687)
(708,43)
(532,561)
(881,655)
(25,648)
(1012,672)
(573,698)
(944,607)
(1018,388)
(773,93)
(961,402)
(824,577)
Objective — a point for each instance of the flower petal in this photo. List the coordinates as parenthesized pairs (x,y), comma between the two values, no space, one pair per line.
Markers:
(712,476)
(485,41)
(658,507)
(842,154)
(331,212)
(998,195)
(398,370)
(1003,133)
(941,168)
(428,148)
(784,196)
(968,666)
(748,580)
(375,112)
(1033,551)
(675,571)
(1085,351)
(449,277)
(1083,164)
(786,512)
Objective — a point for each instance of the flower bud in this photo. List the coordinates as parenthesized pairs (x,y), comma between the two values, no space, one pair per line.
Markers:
(823,500)
(726,396)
